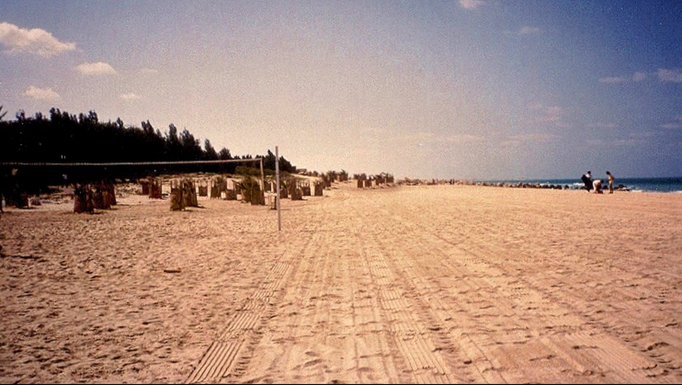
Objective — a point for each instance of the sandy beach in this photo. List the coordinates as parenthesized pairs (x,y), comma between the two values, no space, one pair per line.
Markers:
(404,284)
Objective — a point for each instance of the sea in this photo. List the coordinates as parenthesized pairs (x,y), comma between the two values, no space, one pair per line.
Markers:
(658,185)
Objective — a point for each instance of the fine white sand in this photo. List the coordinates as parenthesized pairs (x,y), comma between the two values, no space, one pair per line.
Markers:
(408,284)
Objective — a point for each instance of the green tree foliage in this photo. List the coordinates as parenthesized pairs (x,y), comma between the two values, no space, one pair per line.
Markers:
(209,151)
(270,159)
(190,147)
(66,138)
(224,154)
(173,146)
(229,168)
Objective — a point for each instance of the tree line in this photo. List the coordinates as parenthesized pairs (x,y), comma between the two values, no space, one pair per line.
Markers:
(63,138)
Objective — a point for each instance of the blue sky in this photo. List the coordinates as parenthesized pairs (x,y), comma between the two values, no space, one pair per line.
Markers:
(473,89)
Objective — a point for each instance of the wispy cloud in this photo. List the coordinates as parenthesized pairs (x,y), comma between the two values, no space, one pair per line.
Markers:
(636,77)
(641,135)
(631,140)
(471,4)
(98,68)
(538,114)
(419,137)
(130,96)
(670,75)
(634,139)
(545,114)
(534,137)
(528,138)
(613,79)
(422,138)
(32,41)
(673,75)
(639,76)
(149,71)
(673,125)
(41,93)
(463,138)
(526,30)
(610,126)
(595,142)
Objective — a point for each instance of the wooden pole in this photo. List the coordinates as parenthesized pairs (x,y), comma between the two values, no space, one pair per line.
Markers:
(262,176)
(279,213)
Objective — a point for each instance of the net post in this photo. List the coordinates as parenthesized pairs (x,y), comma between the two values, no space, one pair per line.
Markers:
(262,175)
(279,215)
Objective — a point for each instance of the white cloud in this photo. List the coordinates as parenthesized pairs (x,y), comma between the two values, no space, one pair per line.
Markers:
(555,111)
(417,137)
(130,96)
(41,93)
(639,76)
(463,138)
(526,30)
(673,75)
(613,80)
(633,140)
(596,142)
(535,106)
(550,114)
(673,125)
(422,138)
(533,137)
(636,77)
(528,138)
(642,135)
(98,68)
(471,4)
(543,114)
(603,125)
(33,41)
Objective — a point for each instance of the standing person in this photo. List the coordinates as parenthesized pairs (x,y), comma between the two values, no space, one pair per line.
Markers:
(610,182)
(587,180)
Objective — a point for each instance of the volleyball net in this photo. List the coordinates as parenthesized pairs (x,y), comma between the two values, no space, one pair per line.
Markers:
(36,175)
(20,180)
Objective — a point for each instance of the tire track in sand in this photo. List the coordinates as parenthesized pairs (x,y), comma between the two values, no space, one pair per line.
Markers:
(415,333)
(459,357)
(331,329)
(599,289)
(579,349)
(228,353)
(609,332)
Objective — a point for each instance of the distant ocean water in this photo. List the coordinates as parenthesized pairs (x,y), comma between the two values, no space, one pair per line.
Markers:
(663,185)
